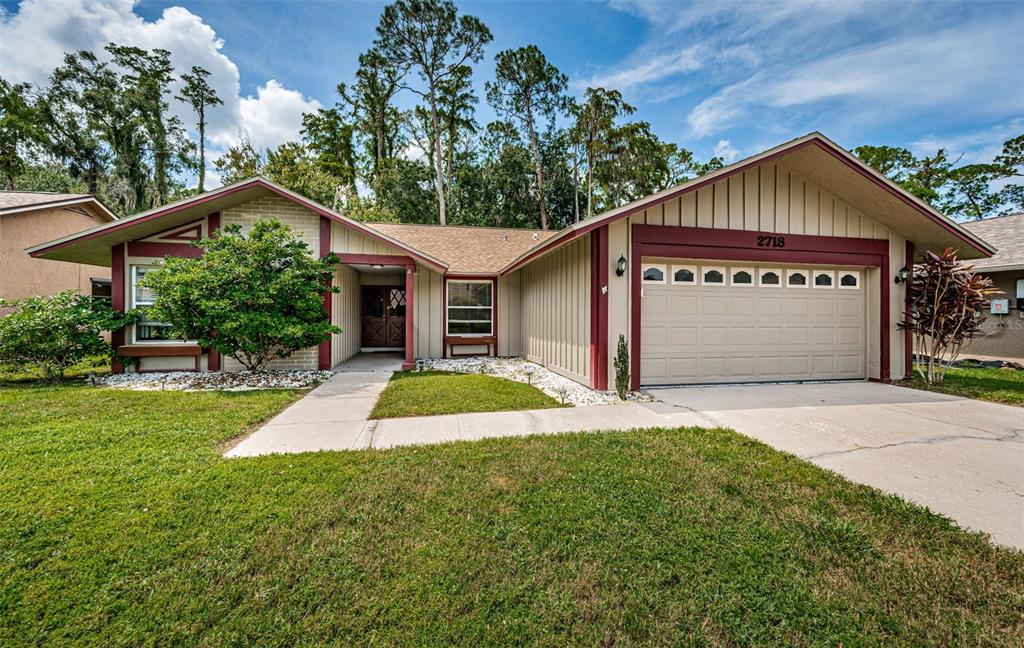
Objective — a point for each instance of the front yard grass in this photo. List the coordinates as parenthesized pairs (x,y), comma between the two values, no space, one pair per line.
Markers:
(121,525)
(991,384)
(426,393)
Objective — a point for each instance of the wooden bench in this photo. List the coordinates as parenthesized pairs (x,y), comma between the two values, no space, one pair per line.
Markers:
(158,350)
(491,342)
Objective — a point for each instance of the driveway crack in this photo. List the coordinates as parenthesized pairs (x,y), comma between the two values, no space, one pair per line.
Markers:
(1016,435)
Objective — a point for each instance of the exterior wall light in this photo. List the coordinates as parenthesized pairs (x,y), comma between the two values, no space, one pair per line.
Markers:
(903,275)
(620,266)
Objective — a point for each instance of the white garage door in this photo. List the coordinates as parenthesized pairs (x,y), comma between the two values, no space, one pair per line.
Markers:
(716,322)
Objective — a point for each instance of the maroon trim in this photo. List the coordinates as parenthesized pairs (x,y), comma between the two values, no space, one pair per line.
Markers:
(825,146)
(704,243)
(220,193)
(212,227)
(908,335)
(410,361)
(138,248)
(324,351)
(371,259)
(599,309)
(117,300)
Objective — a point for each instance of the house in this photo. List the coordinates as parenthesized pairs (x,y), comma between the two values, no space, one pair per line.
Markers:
(1004,333)
(783,266)
(27,217)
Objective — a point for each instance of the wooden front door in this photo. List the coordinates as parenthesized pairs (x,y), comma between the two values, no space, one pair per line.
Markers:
(383,316)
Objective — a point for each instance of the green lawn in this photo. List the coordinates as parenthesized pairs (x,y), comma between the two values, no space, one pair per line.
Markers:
(426,393)
(998,385)
(121,525)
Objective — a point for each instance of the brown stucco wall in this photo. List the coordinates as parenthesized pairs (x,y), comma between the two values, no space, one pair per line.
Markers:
(21,275)
(1003,335)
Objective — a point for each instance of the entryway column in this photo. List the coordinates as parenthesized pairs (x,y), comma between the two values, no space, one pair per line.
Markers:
(410,278)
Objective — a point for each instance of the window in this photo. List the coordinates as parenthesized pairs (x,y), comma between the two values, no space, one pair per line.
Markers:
(713,276)
(770,278)
(470,308)
(824,279)
(686,275)
(146,330)
(653,274)
(796,279)
(849,280)
(742,276)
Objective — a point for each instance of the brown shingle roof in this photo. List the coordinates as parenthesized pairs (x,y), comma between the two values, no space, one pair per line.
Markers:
(484,250)
(1006,234)
(12,199)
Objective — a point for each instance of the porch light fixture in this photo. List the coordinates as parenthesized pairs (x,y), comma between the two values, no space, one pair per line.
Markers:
(903,275)
(620,266)
(376,266)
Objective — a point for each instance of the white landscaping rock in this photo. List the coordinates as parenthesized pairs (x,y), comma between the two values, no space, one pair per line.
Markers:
(214,380)
(558,387)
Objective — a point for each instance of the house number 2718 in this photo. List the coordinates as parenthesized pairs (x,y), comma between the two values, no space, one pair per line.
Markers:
(771,241)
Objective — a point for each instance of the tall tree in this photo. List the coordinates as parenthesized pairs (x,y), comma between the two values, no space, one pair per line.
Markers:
(198,93)
(239,162)
(370,99)
(19,128)
(329,136)
(528,88)
(430,37)
(593,128)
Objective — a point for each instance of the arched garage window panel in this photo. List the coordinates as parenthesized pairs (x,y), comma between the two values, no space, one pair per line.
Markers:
(770,278)
(742,277)
(796,278)
(653,273)
(712,276)
(684,275)
(849,280)
(824,279)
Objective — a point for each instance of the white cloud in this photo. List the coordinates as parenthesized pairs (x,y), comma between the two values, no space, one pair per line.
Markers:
(725,150)
(647,69)
(975,146)
(33,42)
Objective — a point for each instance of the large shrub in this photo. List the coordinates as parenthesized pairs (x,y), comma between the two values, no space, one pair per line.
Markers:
(56,332)
(252,297)
(946,310)
(621,365)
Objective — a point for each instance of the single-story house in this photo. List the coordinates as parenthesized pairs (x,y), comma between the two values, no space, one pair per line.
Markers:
(784,266)
(27,217)
(1003,335)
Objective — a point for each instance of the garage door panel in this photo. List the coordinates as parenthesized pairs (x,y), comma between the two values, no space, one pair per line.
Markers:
(709,333)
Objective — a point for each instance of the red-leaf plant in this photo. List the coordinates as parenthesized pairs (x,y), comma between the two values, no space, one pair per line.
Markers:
(946,310)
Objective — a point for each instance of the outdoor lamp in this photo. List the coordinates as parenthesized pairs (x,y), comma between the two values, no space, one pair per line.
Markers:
(903,275)
(620,266)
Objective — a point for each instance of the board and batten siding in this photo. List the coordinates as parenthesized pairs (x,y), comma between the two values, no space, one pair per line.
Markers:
(510,315)
(428,327)
(345,315)
(766,198)
(306,225)
(555,310)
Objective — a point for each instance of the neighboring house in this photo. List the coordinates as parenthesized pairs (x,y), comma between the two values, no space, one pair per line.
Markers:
(778,267)
(27,217)
(1004,334)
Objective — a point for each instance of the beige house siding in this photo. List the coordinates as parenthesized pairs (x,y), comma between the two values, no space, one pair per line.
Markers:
(23,276)
(765,198)
(1003,334)
(428,329)
(510,315)
(555,313)
(345,315)
(345,240)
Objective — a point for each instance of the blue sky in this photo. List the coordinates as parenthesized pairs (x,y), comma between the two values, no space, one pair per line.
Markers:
(729,78)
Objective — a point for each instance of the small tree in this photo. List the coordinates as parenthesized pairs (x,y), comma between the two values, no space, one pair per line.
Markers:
(54,333)
(946,310)
(252,297)
(621,364)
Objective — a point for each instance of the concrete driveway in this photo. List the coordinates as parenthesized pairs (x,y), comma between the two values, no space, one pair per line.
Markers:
(960,457)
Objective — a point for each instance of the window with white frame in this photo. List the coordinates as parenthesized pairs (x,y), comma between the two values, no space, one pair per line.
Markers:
(796,278)
(824,279)
(849,280)
(146,330)
(768,278)
(684,275)
(652,273)
(712,276)
(470,308)
(741,277)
